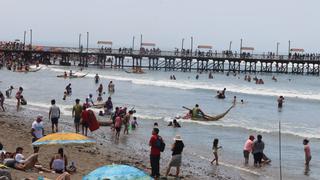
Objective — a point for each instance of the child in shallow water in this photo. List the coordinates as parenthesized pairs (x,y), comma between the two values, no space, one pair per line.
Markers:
(215,148)
(307,151)
(134,123)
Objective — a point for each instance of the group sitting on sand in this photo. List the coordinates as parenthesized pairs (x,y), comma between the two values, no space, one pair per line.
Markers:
(18,161)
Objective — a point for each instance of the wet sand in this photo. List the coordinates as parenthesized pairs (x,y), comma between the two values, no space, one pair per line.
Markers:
(15,131)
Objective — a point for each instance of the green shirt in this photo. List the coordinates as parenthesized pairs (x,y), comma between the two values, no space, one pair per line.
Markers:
(77,109)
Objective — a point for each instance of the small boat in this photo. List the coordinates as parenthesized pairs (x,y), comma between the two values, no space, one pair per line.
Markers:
(30,70)
(105,123)
(98,105)
(73,76)
(212,117)
(135,71)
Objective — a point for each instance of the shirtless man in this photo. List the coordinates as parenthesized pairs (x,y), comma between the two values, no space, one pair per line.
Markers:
(111,87)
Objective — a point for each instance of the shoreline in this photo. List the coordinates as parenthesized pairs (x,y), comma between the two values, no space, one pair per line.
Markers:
(85,157)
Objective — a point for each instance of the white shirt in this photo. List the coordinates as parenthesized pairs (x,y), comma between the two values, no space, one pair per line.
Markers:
(55,111)
(19,158)
(38,128)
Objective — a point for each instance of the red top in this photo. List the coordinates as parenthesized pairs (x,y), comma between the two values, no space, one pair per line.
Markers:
(87,105)
(154,150)
(85,116)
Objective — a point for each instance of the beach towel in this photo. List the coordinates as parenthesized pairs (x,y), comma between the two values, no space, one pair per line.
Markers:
(93,123)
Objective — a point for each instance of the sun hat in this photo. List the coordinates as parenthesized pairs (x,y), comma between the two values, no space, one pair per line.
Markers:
(177,138)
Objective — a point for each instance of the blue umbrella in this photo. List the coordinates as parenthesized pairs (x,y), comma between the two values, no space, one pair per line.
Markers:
(117,172)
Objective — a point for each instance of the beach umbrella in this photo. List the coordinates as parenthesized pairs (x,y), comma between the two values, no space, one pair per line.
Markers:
(63,138)
(117,172)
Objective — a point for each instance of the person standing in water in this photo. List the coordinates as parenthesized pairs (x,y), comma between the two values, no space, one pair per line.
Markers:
(126,121)
(19,97)
(9,91)
(100,89)
(280,101)
(96,79)
(247,149)
(215,149)
(257,151)
(111,87)
(76,113)
(307,152)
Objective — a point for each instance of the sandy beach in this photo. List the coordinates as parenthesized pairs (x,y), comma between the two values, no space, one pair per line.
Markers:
(15,131)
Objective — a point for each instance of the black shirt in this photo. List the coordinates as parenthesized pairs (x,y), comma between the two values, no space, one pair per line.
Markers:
(178,148)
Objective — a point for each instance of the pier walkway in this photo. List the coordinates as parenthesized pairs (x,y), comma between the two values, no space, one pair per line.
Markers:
(155,59)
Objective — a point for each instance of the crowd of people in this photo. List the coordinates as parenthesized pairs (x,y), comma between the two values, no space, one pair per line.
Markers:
(121,118)
(152,51)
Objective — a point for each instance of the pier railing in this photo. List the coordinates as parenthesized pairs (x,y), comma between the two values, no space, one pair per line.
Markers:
(167,54)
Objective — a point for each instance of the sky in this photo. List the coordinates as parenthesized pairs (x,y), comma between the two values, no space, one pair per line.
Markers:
(260,23)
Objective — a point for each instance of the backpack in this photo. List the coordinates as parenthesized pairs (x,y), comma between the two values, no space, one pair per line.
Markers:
(160,144)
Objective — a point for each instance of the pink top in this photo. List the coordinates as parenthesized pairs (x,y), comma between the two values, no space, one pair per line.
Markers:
(248,145)
(118,122)
(307,150)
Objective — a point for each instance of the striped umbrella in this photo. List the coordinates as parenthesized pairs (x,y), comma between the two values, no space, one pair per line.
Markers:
(63,139)
(117,172)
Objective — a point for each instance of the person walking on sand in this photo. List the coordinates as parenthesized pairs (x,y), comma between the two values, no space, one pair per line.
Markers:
(2,101)
(215,149)
(307,152)
(177,148)
(155,153)
(85,120)
(19,97)
(54,115)
(37,129)
(76,113)
(247,149)
(257,150)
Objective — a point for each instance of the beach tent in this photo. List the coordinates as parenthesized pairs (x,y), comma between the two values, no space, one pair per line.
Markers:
(117,172)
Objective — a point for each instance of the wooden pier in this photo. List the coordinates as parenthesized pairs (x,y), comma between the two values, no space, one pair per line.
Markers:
(166,60)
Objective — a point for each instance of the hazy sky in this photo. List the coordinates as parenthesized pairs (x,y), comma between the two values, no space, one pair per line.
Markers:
(165,22)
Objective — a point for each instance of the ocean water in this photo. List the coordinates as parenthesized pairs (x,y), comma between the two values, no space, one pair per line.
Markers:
(159,99)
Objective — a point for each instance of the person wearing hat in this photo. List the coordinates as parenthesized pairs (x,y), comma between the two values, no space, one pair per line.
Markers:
(37,129)
(247,149)
(177,148)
